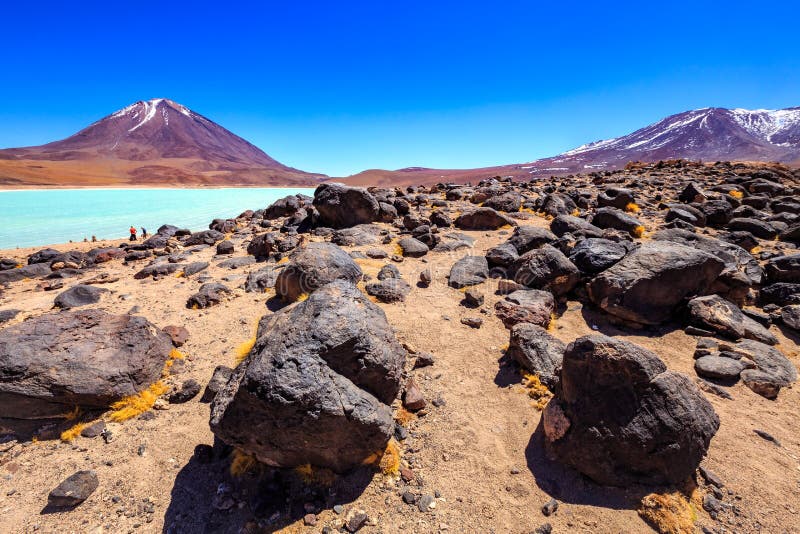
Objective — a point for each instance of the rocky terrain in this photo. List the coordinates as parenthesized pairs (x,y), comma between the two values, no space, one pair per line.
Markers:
(605,352)
(153,142)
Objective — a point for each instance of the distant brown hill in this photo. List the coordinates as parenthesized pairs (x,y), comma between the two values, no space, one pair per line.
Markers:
(155,142)
(709,134)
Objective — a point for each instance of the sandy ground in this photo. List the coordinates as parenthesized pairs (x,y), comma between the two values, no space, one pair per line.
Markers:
(479,450)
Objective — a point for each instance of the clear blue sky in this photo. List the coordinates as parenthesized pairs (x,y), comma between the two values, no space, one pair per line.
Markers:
(338,87)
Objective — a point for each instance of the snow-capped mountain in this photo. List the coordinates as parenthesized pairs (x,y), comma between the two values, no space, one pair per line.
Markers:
(153,141)
(709,134)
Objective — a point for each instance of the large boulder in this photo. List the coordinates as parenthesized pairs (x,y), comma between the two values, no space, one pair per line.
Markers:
(652,281)
(528,237)
(594,255)
(772,371)
(510,202)
(86,358)
(483,219)
(79,295)
(526,306)
(206,237)
(784,269)
(468,271)
(284,207)
(546,268)
(313,266)
(340,206)
(537,351)
(618,220)
(576,226)
(722,316)
(620,417)
(317,386)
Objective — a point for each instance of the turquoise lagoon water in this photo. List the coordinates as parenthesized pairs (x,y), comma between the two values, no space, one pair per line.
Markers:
(46,216)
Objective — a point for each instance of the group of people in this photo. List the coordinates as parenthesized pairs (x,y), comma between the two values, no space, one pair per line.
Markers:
(133,233)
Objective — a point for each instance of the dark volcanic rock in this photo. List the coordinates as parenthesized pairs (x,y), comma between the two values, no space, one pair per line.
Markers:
(616,219)
(46,255)
(468,271)
(483,219)
(719,367)
(79,295)
(714,313)
(315,388)
(261,246)
(546,268)
(7,315)
(576,226)
(526,238)
(389,290)
(362,234)
(313,266)
(35,270)
(784,269)
(773,370)
(52,363)
(340,206)
(157,269)
(615,197)
(206,237)
(760,229)
(218,380)
(73,490)
(210,294)
(526,306)
(620,417)
(413,248)
(790,315)
(503,255)
(261,280)
(595,255)
(649,283)
(510,202)
(537,351)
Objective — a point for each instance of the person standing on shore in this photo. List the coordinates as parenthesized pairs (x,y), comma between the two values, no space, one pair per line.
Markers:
(144,233)
(133,234)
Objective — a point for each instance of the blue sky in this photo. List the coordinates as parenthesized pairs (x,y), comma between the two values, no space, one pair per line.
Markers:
(338,87)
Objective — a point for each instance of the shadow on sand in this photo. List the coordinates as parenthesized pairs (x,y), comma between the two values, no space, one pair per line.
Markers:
(567,485)
(206,498)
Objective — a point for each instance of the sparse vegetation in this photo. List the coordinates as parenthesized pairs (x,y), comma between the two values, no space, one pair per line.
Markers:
(632,207)
(72,432)
(638,231)
(403,416)
(242,463)
(668,513)
(536,390)
(736,194)
(243,350)
(134,405)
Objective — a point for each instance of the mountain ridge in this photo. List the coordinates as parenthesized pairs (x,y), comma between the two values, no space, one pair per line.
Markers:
(161,142)
(155,141)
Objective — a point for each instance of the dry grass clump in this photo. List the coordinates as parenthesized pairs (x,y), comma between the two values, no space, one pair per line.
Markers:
(736,194)
(668,513)
(390,461)
(134,405)
(284,259)
(174,354)
(72,432)
(402,416)
(632,207)
(576,212)
(536,390)
(242,463)
(243,350)
(72,414)
(638,231)
(552,324)
(319,476)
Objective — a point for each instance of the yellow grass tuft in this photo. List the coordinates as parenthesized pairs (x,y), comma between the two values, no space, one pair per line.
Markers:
(284,259)
(242,463)
(390,461)
(536,390)
(632,207)
(552,324)
(134,405)
(180,274)
(638,231)
(195,307)
(403,416)
(175,354)
(72,414)
(668,513)
(736,194)
(301,297)
(73,432)
(319,476)
(576,212)
(243,350)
